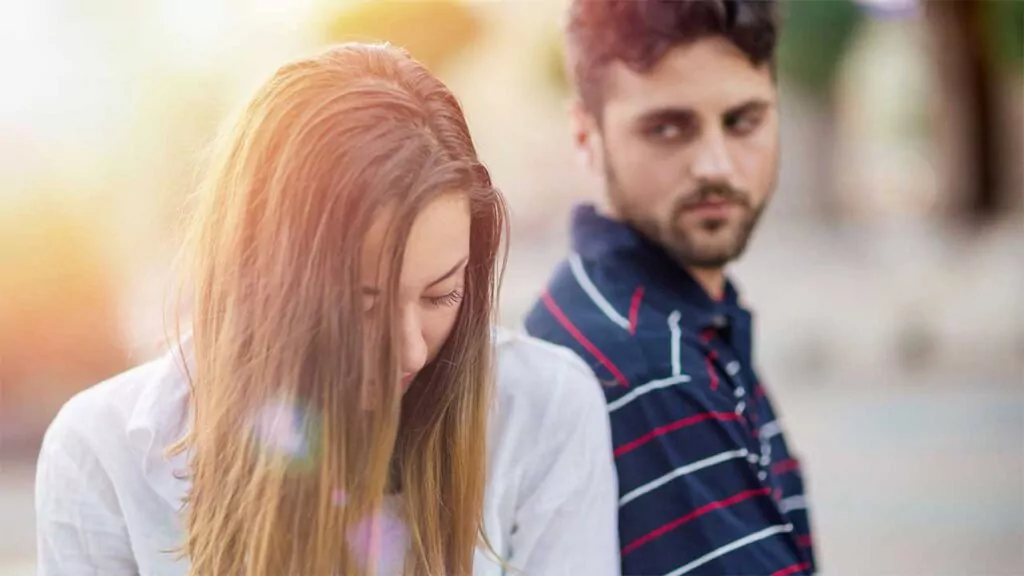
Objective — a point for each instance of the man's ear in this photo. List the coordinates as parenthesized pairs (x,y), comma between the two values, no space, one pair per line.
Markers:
(586,137)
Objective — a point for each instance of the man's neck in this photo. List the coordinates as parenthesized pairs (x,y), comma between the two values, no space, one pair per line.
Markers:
(711,279)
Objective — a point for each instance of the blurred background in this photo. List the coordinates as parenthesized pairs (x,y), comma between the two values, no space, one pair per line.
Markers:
(887,276)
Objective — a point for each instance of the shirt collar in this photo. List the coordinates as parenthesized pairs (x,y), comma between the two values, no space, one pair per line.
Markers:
(612,243)
(160,419)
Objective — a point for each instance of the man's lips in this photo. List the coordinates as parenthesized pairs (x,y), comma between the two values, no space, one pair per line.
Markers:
(715,208)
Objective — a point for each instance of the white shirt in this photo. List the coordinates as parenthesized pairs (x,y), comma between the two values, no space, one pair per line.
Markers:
(108,501)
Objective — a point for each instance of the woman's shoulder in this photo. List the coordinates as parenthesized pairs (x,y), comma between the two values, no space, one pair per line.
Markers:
(544,384)
(103,417)
(525,361)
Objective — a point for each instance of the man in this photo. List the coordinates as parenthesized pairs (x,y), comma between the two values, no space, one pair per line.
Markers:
(677,113)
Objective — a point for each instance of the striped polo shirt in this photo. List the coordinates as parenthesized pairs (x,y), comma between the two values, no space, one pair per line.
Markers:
(707,484)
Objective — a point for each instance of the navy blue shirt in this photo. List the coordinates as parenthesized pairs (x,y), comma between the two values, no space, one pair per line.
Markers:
(707,484)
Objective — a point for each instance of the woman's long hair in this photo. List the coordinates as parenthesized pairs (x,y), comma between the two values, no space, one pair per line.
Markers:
(299,427)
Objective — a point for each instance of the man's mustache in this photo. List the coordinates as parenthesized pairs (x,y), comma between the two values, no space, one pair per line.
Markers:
(712,192)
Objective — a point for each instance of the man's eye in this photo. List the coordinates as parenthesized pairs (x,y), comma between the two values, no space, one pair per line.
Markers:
(743,124)
(665,132)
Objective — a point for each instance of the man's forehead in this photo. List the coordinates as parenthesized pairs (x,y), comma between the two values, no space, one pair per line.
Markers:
(708,74)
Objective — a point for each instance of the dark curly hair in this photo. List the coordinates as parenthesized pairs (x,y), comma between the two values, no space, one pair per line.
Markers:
(640,32)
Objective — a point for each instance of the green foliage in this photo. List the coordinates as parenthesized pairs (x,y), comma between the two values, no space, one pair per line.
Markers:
(1003,24)
(815,37)
(553,63)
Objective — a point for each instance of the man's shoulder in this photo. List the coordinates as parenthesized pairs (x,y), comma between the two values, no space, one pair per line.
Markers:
(578,301)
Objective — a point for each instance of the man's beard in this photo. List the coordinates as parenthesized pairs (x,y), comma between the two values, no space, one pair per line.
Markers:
(707,244)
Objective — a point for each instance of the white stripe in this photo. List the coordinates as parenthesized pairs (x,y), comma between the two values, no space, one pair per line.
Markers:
(760,535)
(793,503)
(677,335)
(769,430)
(576,265)
(682,471)
(641,390)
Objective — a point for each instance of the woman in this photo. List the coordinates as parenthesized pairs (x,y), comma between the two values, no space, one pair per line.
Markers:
(335,409)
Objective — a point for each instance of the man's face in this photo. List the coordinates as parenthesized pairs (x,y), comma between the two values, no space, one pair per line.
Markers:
(689,150)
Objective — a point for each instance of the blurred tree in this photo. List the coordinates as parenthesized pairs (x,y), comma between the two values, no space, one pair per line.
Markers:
(59,318)
(815,37)
(553,62)
(433,31)
(1004,32)
(977,45)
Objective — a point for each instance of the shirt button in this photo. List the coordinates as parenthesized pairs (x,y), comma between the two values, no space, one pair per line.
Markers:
(741,407)
(762,475)
(719,321)
(732,368)
(739,392)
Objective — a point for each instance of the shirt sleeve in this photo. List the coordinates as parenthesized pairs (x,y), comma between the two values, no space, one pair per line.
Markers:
(80,529)
(566,520)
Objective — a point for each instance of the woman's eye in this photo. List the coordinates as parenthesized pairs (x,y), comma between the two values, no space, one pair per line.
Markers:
(450,299)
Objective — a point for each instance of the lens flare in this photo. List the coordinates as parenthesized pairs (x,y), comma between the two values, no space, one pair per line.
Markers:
(284,429)
(381,540)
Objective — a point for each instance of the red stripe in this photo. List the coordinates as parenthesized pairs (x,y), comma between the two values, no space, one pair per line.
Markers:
(571,328)
(804,541)
(783,466)
(634,308)
(711,373)
(793,569)
(709,357)
(695,514)
(688,421)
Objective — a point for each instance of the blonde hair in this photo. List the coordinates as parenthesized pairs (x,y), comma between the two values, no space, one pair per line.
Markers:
(329,145)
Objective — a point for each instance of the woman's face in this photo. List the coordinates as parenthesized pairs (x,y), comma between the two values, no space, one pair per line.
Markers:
(432,282)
